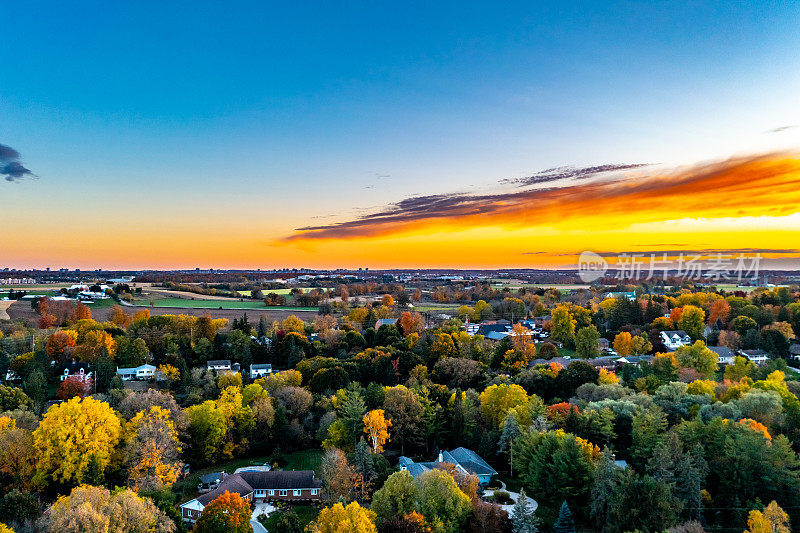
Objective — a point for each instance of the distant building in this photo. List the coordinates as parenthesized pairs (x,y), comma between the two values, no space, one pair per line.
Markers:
(75,369)
(259,486)
(260,370)
(675,339)
(464,459)
(759,357)
(219,365)
(725,355)
(384,322)
(139,372)
(628,295)
(603,344)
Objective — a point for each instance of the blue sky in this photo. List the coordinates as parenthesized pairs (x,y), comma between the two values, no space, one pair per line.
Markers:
(349,107)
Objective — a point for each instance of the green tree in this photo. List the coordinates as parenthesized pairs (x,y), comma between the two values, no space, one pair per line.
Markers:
(523,515)
(565,522)
(562,327)
(352,412)
(693,321)
(438,498)
(699,357)
(396,497)
(586,342)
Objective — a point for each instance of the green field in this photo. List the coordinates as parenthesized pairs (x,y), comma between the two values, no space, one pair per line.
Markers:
(280,292)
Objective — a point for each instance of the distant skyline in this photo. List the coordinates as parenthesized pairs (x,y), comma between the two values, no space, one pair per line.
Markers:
(267,135)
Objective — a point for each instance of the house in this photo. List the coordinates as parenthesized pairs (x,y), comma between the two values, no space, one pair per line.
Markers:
(210,482)
(794,351)
(260,370)
(607,362)
(540,321)
(628,295)
(675,339)
(219,365)
(464,460)
(494,327)
(725,355)
(139,372)
(635,360)
(76,369)
(603,344)
(259,486)
(759,357)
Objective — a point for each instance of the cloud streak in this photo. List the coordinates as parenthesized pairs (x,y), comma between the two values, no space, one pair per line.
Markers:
(10,167)
(749,186)
(568,172)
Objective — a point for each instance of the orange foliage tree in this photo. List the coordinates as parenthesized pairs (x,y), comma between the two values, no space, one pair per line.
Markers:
(230,512)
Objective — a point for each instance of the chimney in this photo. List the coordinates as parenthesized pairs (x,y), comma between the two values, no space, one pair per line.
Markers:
(440,459)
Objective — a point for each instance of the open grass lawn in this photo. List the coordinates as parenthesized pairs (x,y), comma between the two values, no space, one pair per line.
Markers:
(305,513)
(302,460)
(283,292)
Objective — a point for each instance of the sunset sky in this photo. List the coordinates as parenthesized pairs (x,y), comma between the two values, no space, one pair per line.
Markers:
(264,135)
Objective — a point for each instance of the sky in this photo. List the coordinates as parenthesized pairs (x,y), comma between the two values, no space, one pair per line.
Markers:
(456,135)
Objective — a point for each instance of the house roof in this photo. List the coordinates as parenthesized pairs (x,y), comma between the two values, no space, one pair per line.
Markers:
(794,349)
(75,367)
(135,369)
(470,461)
(679,333)
(219,362)
(385,322)
(246,482)
(721,351)
(212,477)
(261,366)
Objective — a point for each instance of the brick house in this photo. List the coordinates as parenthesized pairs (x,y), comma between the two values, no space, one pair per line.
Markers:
(259,486)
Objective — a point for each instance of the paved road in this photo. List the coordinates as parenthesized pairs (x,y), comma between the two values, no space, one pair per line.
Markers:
(257,527)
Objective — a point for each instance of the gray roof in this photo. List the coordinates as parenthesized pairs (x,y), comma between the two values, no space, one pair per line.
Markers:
(261,366)
(469,461)
(794,349)
(212,477)
(415,469)
(722,351)
(219,362)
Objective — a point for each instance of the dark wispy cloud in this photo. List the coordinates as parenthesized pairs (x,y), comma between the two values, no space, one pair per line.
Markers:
(780,129)
(573,173)
(10,167)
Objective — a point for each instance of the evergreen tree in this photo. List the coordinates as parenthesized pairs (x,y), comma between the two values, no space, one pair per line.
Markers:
(604,483)
(262,329)
(510,432)
(523,517)
(352,412)
(565,523)
(364,465)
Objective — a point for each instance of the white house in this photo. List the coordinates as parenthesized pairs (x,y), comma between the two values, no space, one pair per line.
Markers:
(219,365)
(260,370)
(675,339)
(759,357)
(77,370)
(140,372)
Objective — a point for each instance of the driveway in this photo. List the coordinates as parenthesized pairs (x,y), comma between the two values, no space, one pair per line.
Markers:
(258,510)
(487,495)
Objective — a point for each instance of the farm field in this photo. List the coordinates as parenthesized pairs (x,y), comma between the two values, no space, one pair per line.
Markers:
(282,292)
(227,303)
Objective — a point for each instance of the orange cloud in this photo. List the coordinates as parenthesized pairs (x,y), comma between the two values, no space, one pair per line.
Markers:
(766,185)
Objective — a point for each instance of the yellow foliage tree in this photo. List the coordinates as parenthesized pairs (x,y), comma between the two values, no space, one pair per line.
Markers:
(71,436)
(496,400)
(341,519)
(772,520)
(292,323)
(153,449)
(95,342)
(376,426)
(623,344)
(607,378)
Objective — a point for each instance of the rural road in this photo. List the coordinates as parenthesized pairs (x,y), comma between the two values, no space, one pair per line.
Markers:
(4,305)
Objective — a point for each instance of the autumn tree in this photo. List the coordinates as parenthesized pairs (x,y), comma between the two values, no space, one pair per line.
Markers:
(61,344)
(72,437)
(496,400)
(82,312)
(411,323)
(337,476)
(229,513)
(96,343)
(119,317)
(376,426)
(341,519)
(623,344)
(772,520)
(90,508)
(152,448)
(692,321)
(438,498)
(74,386)
(396,497)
